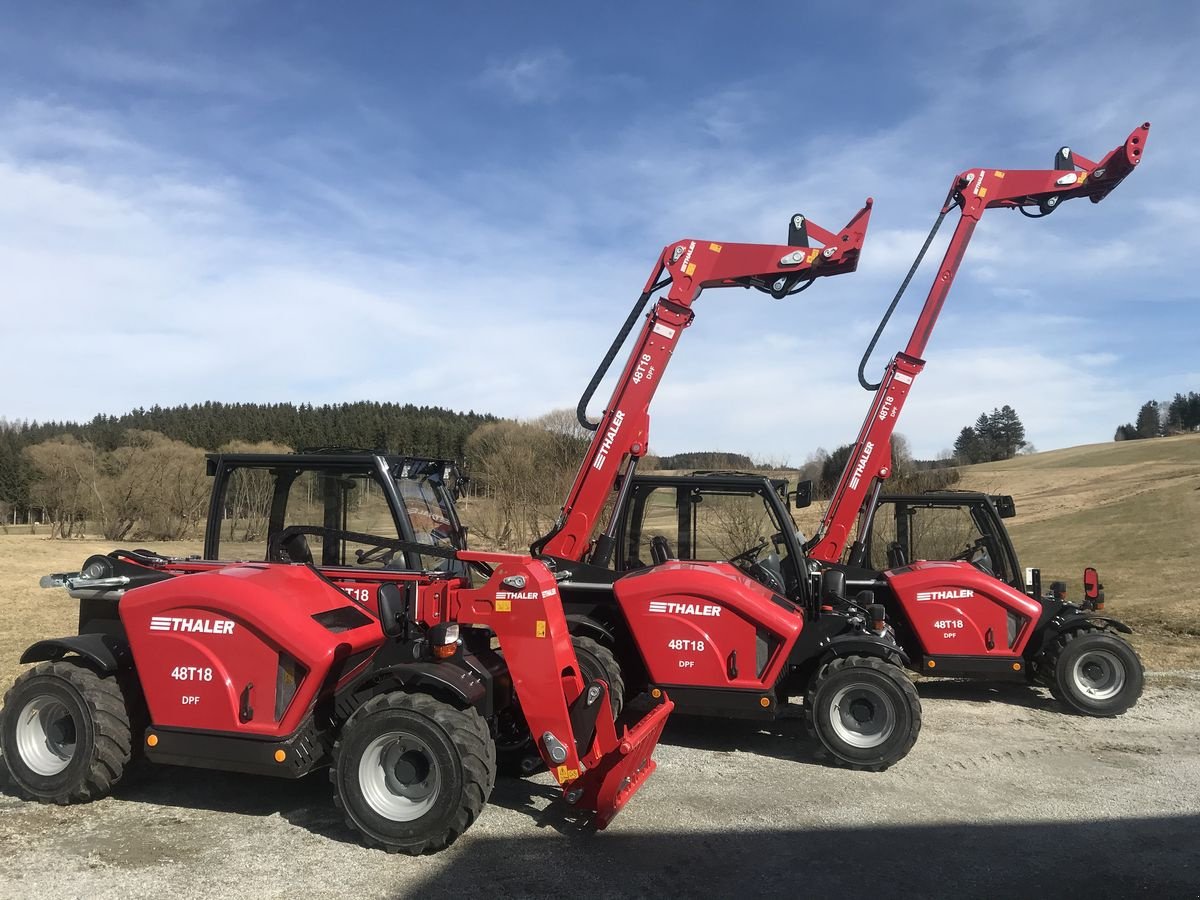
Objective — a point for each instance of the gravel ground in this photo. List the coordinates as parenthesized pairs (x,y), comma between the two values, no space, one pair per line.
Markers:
(1003,796)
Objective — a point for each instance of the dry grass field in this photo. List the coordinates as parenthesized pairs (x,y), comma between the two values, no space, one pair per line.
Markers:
(1131,509)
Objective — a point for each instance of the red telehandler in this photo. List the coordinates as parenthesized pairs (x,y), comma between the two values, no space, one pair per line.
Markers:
(718,640)
(397,680)
(960,619)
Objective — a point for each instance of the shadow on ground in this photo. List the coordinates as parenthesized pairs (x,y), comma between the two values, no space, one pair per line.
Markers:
(1006,692)
(1158,857)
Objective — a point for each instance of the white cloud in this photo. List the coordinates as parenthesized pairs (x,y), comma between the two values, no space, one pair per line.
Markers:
(139,275)
(535,77)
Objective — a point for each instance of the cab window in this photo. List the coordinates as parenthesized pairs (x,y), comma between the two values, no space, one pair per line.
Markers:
(659,517)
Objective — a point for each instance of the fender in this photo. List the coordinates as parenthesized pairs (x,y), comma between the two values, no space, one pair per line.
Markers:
(864,645)
(104,652)
(454,682)
(586,626)
(1069,622)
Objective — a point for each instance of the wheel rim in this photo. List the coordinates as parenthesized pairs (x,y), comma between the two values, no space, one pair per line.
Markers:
(46,735)
(862,716)
(1099,674)
(399,777)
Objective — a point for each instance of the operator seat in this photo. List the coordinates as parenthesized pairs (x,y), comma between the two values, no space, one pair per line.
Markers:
(296,549)
(660,550)
(895,555)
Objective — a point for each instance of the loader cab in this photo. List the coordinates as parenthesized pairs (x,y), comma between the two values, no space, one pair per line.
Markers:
(715,516)
(945,525)
(347,496)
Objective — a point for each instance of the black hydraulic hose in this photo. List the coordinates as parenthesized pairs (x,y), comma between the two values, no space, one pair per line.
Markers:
(602,369)
(862,366)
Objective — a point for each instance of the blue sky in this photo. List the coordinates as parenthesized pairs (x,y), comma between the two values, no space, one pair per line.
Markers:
(456,205)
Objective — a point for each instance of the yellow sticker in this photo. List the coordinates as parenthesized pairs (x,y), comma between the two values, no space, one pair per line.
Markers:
(1082,177)
(813,254)
(983,192)
(691,267)
(503,606)
(565,774)
(541,628)
(715,248)
(998,174)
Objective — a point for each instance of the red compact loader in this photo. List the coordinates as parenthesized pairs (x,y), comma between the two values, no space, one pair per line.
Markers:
(397,680)
(718,640)
(956,617)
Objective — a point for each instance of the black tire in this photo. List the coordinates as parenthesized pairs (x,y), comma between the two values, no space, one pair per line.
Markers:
(865,711)
(515,752)
(1094,673)
(411,773)
(65,733)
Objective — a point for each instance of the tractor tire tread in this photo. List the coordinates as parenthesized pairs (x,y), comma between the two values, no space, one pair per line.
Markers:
(612,669)
(890,670)
(112,745)
(1049,667)
(468,731)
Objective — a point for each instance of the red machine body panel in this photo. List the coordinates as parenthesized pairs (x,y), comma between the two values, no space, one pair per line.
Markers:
(360,585)
(206,641)
(707,625)
(955,609)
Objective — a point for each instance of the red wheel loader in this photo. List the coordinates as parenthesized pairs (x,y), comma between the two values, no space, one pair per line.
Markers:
(956,618)
(719,641)
(334,652)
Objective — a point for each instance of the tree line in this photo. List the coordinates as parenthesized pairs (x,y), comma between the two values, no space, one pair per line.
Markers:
(420,430)
(1158,419)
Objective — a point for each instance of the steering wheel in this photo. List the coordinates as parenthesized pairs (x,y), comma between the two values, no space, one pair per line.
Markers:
(979,556)
(752,554)
(382,555)
(766,576)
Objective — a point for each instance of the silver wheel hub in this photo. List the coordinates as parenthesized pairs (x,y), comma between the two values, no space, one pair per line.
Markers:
(1098,674)
(862,716)
(46,735)
(399,777)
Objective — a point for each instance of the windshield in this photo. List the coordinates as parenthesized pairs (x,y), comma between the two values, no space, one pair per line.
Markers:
(428,506)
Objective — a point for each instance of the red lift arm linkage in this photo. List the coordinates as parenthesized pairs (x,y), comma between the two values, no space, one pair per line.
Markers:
(688,266)
(973,191)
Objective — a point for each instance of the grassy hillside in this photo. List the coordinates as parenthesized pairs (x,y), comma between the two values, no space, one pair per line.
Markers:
(1131,509)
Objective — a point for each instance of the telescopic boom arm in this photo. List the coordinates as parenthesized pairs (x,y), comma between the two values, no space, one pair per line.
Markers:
(687,267)
(1035,193)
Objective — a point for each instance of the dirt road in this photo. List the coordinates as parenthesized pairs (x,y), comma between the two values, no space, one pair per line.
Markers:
(1003,796)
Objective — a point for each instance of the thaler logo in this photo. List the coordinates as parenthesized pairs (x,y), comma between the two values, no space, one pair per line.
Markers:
(201,626)
(517,595)
(961,594)
(684,609)
(861,466)
(609,437)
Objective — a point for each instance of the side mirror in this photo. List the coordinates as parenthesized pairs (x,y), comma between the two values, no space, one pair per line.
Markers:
(1091,584)
(803,494)
(395,601)
(1005,506)
(833,584)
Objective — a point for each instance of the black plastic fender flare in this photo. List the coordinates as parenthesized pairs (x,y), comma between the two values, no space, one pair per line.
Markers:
(850,644)
(1075,620)
(106,653)
(446,680)
(586,626)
